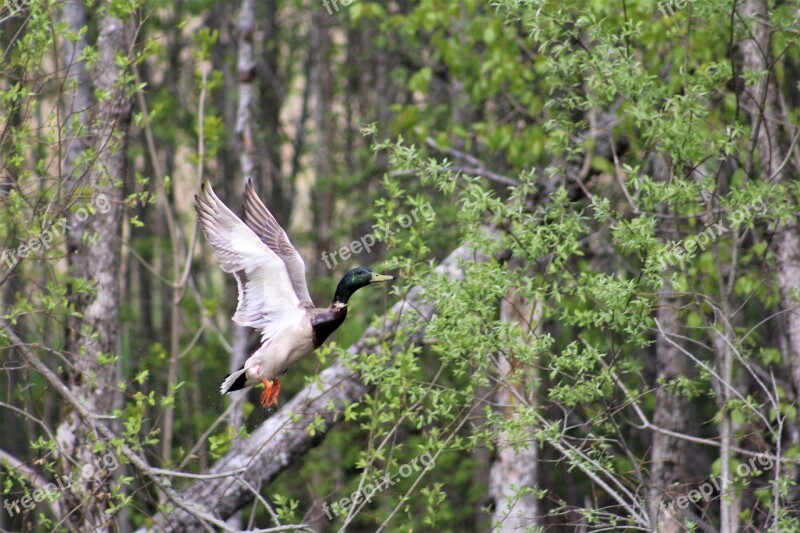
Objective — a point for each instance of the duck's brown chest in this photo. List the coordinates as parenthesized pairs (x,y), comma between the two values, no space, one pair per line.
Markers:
(326,322)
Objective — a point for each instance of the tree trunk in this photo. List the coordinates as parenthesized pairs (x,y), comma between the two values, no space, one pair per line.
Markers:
(93,334)
(668,454)
(322,86)
(275,185)
(763,102)
(514,474)
(767,117)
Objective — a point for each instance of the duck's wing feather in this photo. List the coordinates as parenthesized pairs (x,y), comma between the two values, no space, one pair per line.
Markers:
(267,300)
(260,220)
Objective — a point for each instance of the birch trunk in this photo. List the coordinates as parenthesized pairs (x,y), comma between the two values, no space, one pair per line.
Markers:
(767,117)
(762,100)
(513,476)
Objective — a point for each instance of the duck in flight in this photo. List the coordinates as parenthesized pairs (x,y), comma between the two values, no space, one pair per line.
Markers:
(273,295)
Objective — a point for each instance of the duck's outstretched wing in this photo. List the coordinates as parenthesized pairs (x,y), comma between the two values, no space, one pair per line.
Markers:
(260,220)
(267,300)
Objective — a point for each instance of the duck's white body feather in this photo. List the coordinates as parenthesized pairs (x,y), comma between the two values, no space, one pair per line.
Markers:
(268,297)
(273,359)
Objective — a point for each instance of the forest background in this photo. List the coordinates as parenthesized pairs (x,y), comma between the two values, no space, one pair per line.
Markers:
(589,208)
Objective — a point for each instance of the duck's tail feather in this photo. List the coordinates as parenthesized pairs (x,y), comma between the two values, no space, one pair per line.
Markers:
(233,382)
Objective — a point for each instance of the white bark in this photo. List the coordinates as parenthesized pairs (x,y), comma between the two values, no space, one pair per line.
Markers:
(766,117)
(764,104)
(513,475)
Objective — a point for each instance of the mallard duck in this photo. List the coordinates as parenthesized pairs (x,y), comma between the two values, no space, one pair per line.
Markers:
(273,295)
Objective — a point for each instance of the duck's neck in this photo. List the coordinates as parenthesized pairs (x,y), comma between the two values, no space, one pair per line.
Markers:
(342,295)
(326,321)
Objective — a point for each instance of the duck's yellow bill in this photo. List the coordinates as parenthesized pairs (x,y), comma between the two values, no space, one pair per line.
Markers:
(378,277)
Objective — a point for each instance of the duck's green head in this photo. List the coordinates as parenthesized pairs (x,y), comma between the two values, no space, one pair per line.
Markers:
(354,280)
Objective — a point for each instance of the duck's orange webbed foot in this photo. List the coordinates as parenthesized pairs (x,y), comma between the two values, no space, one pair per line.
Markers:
(271,390)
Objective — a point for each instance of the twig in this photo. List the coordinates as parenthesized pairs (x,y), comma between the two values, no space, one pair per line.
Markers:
(478,168)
